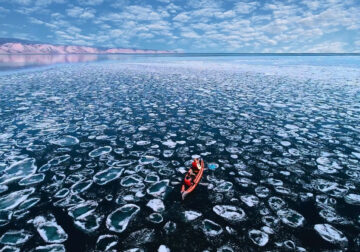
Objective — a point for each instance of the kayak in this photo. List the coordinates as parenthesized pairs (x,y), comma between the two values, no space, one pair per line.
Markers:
(185,190)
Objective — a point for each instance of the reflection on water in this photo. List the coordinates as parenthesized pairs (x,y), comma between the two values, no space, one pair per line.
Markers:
(14,62)
(20,61)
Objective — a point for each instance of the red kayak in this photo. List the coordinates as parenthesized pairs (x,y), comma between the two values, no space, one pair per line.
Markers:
(185,190)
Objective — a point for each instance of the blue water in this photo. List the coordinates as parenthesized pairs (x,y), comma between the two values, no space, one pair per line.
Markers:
(96,148)
(18,62)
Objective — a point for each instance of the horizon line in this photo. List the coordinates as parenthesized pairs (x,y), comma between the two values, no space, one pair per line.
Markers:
(194,53)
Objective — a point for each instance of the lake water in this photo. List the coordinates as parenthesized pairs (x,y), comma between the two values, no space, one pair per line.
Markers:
(93,151)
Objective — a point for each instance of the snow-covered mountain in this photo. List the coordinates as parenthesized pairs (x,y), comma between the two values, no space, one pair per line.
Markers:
(17,46)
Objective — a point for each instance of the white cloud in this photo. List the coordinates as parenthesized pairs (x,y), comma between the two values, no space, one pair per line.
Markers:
(73,29)
(172,8)
(145,35)
(22,2)
(134,12)
(37,2)
(327,47)
(204,3)
(190,34)
(78,12)
(245,7)
(75,11)
(181,17)
(119,4)
(90,2)
(226,14)
(116,33)
(311,4)
(35,21)
(48,2)
(273,25)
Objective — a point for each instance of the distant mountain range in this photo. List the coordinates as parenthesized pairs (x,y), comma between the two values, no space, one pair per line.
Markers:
(20,46)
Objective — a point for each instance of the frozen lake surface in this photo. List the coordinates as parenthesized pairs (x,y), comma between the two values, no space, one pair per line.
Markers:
(92,155)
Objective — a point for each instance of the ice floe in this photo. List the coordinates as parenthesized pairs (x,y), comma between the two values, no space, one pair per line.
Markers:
(65,141)
(291,217)
(163,248)
(51,248)
(5,217)
(230,213)
(211,228)
(32,179)
(352,198)
(250,200)
(155,218)
(106,242)
(118,220)
(331,234)
(191,215)
(12,200)
(105,176)
(158,188)
(258,237)
(156,205)
(100,151)
(18,170)
(15,237)
(140,237)
(49,230)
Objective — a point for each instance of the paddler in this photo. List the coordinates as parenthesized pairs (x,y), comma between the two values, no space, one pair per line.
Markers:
(195,167)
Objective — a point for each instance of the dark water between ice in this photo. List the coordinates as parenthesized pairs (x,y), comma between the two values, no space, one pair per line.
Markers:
(92,155)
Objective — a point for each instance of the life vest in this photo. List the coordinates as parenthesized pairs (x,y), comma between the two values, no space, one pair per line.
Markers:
(187,180)
(195,166)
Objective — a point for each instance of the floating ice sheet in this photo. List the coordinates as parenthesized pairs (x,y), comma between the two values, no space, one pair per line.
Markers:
(230,213)
(15,237)
(118,220)
(18,170)
(331,234)
(12,200)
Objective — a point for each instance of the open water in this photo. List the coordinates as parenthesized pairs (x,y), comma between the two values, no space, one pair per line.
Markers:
(93,154)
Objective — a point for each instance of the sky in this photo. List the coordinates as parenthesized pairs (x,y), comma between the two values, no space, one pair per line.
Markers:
(267,26)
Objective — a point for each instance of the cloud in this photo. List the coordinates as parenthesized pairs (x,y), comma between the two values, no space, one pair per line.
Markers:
(90,2)
(37,2)
(3,10)
(326,47)
(48,2)
(312,5)
(22,2)
(78,12)
(119,4)
(245,7)
(245,25)
(226,14)
(172,8)
(73,30)
(190,34)
(36,21)
(181,17)
(204,4)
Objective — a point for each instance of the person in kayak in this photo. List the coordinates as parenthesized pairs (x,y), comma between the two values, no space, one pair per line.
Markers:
(195,168)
